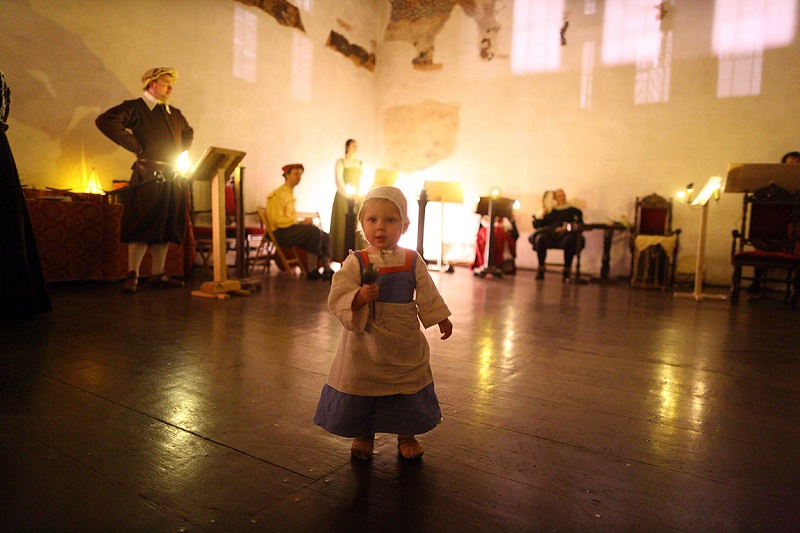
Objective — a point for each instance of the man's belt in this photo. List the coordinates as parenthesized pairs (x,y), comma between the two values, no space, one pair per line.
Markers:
(158,176)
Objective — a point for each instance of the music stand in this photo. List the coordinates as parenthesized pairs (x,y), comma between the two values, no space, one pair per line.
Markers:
(215,166)
(443,192)
(384,176)
(712,186)
(749,177)
(493,206)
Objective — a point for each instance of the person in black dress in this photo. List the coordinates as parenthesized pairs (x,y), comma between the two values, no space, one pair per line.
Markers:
(23,292)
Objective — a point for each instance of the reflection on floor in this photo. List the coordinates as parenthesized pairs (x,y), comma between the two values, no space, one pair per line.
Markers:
(569,408)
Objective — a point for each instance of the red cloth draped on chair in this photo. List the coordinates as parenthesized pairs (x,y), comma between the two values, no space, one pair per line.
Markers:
(505,247)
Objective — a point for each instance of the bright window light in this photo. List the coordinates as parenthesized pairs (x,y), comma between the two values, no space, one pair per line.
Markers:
(631,32)
(302,63)
(740,76)
(536,45)
(245,37)
(587,74)
(743,29)
(653,74)
(747,26)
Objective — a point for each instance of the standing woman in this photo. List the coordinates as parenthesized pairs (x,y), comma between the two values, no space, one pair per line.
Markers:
(347,172)
(23,292)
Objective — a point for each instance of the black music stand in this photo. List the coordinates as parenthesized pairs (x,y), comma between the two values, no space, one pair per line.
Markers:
(493,206)
(350,224)
(215,166)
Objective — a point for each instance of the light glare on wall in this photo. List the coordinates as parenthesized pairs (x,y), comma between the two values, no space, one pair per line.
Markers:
(747,26)
(302,62)
(631,32)
(743,29)
(536,41)
(245,37)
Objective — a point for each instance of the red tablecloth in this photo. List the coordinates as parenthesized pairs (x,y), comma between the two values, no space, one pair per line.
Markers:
(80,241)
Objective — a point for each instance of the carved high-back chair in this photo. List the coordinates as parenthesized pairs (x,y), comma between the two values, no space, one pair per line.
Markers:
(768,241)
(654,244)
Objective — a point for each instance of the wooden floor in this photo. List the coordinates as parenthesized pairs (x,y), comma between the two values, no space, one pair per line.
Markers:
(566,408)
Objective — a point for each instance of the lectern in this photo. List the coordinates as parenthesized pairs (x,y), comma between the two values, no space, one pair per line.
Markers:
(215,166)
(749,177)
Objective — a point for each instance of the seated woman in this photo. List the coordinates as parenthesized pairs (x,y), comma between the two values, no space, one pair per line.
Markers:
(505,245)
(554,230)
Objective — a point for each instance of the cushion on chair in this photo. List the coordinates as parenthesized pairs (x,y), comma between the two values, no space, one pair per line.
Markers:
(205,232)
(766,257)
(667,242)
(253,230)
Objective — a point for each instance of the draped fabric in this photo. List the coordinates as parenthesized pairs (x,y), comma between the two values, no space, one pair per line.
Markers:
(22,288)
(505,247)
(80,240)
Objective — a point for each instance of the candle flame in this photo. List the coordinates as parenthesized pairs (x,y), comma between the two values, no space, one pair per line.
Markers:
(93,184)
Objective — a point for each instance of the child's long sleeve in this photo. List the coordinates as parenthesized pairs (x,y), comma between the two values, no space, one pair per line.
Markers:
(430,305)
(344,286)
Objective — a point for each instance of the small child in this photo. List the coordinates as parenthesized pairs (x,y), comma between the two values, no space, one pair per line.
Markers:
(380,379)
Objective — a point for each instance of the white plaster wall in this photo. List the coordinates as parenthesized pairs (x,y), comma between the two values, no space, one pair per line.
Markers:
(529,133)
(68,60)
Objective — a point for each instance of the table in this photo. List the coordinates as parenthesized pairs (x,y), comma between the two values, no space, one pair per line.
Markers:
(80,240)
(608,234)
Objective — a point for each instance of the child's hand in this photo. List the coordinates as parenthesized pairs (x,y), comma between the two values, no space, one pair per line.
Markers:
(366,294)
(445,328)
(369,292)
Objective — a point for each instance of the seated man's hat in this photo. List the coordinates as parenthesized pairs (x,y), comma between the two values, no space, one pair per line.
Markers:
(288,168)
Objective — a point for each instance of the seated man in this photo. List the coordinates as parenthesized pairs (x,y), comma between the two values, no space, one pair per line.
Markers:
(554,224)
(289,231)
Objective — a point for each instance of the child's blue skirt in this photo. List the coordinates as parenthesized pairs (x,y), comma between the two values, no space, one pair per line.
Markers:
(348,415)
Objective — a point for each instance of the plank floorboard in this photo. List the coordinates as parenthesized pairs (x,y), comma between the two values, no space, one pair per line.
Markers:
(566,408)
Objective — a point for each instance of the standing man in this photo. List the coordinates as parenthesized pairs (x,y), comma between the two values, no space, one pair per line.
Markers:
(155,205)
(289,231)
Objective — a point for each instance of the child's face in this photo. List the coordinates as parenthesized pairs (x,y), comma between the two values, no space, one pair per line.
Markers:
(381,223)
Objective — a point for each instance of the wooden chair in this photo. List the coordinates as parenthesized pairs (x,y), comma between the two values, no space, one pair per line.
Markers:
(577,230)
(581,244)
(768,241)
(269,250)
(654,244)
